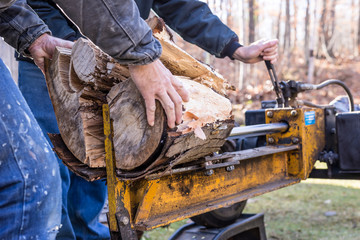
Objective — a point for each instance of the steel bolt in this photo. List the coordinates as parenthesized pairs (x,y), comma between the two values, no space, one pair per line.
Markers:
(271,140)
(209,172)
(270,114)
(124,220)
(295,140)
(293,113)
(230,168)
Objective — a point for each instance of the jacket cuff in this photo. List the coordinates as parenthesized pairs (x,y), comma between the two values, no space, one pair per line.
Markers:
(26,41)
(230,48)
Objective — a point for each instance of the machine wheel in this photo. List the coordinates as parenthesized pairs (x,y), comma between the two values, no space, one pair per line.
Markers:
(220,217)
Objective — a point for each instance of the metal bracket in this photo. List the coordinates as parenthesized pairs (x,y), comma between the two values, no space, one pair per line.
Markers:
(123,219)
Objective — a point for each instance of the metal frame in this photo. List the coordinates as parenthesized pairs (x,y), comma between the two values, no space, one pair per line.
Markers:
(159,200)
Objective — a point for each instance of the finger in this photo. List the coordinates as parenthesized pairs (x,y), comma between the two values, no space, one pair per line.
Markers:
(269,44)
(169,108)
(66,44)
(150,110)
(180,89)
(176,99)
(272,58)
(270,50)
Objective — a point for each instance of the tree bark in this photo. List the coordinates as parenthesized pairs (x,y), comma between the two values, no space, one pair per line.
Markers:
(287,35)
(279,21)
(306,40)
(358,32)
(295,25)
(251,21)
(81,81)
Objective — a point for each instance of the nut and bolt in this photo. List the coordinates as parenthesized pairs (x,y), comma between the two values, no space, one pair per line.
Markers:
(293,113)
(271,140)
(295,140)
(230,168)
(270,114)
(124,220)
(209,172)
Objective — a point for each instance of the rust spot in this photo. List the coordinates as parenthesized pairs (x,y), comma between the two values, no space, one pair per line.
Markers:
(186,187)
(171,187)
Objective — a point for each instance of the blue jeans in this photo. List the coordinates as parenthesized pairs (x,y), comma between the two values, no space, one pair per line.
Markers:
(30,193)
(82,201)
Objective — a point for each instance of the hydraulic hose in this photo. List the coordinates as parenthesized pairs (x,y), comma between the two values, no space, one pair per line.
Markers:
(305,86)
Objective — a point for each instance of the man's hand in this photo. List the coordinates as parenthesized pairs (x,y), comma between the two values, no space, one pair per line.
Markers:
(44,47)
(155,81)
(258,51)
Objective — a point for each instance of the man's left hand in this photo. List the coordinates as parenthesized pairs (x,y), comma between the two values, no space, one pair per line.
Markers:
(258,51)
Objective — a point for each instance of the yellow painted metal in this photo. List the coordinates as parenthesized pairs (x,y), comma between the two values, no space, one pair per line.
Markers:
(118,191)
(179,196)
(310,136)
(110,168)
(154,203)
(150,193)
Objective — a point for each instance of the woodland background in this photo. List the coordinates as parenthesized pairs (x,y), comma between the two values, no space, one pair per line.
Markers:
(318,40)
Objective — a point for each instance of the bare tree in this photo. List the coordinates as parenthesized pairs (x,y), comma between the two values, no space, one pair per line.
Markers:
(279,20)
(358,33)
(327,24)
(311,65)
(353,29)
(251,21)
(295,24)
(287,34)
(306,40)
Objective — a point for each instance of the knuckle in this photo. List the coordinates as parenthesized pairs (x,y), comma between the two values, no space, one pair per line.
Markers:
(170,106)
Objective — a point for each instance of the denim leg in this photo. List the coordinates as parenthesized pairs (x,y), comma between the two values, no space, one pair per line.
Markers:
(92,195)
(33,87)
(30,193)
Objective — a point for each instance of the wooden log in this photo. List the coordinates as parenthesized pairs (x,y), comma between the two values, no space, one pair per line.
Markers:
(96,68)
(137,144)
(135,140)
(181,63)
(66,104)
(81,82)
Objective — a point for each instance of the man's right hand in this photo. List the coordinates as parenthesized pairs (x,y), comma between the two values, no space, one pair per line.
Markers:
(155,81)
(44,47)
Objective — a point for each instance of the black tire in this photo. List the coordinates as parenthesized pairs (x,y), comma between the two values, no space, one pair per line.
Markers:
(220,217)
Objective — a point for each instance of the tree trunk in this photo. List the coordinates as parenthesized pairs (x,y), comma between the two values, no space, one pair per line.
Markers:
(358,32)
(295,25)
(251,21)
(354,46)
(82,80)
(279,21)
(287,38)
(306,40)
(311,66)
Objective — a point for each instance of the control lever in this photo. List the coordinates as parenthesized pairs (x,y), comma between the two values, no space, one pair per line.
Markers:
(279,95)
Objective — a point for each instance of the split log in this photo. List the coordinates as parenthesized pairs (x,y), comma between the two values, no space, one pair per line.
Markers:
(181,63)
(80,82)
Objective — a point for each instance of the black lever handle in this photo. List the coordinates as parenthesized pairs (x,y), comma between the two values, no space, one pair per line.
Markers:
(271,70)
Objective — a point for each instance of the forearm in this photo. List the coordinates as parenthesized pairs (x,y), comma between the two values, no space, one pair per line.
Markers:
(20,26)
(194,21)
(116,27)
